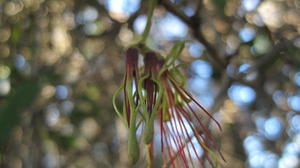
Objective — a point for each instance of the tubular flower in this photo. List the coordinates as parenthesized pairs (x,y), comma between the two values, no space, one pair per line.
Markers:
(152,94)
(131,79)
(129,86)
(131,101)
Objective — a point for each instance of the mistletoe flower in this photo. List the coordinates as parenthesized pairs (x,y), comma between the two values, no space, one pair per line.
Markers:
(150,100)
(158,96)
(131,78)
(182,130)
(131,101)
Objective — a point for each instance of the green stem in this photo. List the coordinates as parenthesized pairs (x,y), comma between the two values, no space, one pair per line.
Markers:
(133,146)
(115,104)
(151,6)
(150,155)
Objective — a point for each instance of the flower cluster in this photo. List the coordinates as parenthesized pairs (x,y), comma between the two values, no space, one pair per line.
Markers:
(156,93)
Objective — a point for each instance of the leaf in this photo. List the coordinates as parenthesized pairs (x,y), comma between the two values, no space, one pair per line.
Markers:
(19,99)
(175,52)
(173,55)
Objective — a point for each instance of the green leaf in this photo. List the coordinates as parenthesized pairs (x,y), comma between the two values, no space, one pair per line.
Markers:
(19,99)
(175,52)
(173,55)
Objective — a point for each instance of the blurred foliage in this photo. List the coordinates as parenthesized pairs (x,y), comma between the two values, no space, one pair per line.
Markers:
(61,61)
(19,100)
(220,6)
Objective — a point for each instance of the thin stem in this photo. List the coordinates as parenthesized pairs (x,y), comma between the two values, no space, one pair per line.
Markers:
(119,90)
(150,155)
(151,6)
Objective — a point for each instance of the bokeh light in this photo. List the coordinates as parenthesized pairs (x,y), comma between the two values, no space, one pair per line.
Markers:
(273,128)
(293,102)
(202,69)
(247,34)
(140,24)
(61,92)
(172,28)
(241,94)
(196,49)
(295,123)
(123,6)
(253,143)
(297,78)
(250,5)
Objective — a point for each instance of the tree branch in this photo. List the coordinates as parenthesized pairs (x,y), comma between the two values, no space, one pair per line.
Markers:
(194,25)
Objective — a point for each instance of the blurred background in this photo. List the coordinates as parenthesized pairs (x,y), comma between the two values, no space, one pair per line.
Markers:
(61,61)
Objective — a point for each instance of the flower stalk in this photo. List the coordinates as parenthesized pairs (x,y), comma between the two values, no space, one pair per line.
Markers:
(151,7)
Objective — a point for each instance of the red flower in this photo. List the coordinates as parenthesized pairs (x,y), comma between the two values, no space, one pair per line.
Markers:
(131,78)
(182,130)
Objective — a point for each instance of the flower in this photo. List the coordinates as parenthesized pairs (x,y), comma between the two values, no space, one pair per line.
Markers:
(131,78)
(129,86)
(150,103)
(181,125)
(131,101)
(156,94)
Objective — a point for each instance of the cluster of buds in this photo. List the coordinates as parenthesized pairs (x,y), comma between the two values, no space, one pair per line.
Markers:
(155,93)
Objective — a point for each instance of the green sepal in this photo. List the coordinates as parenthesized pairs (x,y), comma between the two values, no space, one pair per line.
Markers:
(142,97)
(178,76)
(165,110)
(133,147)
(149,131)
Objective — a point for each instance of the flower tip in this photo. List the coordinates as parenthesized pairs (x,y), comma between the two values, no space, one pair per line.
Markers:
(132,51)
(152,61)
(132,55)
(150,58)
